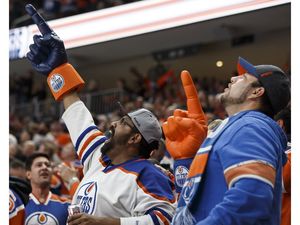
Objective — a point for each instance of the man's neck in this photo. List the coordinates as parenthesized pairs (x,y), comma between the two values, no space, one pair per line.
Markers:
(118,156)
(233,109)
(41,193)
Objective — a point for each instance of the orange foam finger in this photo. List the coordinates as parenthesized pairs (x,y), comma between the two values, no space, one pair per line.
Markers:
(193,102)
(167,131)
(64,79)
(172,131)
(180,112)
(185,123)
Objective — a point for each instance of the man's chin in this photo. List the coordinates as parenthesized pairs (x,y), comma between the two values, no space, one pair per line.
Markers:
(221,97)
(45,183)
(108,145)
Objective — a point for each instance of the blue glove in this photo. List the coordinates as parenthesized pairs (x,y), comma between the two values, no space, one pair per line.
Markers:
(48,50)
(48,56)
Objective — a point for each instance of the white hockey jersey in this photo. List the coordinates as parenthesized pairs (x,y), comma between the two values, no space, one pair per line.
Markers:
(134,191)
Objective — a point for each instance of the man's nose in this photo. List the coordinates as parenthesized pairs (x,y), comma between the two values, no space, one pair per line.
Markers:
(114,123)
(234,79)
(44,166)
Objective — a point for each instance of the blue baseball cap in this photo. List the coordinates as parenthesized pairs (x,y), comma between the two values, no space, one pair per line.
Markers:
(273,79)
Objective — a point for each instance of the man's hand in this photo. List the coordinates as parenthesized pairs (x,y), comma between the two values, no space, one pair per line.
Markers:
(48,50)
(186,130)
(85,219)
(48,56)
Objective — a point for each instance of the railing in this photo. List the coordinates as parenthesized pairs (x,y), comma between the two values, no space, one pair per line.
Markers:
(97,102)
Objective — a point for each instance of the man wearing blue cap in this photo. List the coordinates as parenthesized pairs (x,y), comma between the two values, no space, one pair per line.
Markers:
(235,176)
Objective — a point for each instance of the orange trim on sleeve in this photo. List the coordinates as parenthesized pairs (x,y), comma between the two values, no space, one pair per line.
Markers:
(88,141)
(102,162)
(253,169)
(162,217)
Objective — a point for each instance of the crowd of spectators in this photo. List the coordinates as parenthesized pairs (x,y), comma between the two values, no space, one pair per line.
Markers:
(54,9)
(28,135)
(160,93)
(23,89)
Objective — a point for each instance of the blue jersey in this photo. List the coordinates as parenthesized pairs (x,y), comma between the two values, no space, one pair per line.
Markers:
(242,181)
(53,212)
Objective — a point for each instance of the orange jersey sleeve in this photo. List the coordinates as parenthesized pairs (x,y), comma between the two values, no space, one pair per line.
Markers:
(286,195)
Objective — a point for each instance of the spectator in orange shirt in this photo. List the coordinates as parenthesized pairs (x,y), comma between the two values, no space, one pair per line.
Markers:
(283,118)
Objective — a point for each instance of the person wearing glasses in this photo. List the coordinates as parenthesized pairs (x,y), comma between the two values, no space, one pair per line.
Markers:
(120,186)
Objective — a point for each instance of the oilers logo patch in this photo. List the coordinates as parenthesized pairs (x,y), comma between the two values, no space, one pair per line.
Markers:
(86,197)
(56,82)
(40,218)
(181,174)
(190,188)
(11,203)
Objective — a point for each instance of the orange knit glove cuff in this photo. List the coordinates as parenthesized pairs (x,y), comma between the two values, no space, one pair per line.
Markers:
(64,79)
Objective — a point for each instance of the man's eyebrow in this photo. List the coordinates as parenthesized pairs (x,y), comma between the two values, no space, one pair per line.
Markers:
(244,75)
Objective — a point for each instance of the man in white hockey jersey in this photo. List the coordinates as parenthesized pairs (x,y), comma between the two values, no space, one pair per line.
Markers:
(119,186)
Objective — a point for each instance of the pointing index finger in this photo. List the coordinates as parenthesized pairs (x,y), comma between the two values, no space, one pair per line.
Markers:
(193,103)
(38,20)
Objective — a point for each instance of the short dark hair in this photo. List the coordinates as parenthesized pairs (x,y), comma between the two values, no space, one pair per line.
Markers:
(32,157)
(266,106)
(144,147)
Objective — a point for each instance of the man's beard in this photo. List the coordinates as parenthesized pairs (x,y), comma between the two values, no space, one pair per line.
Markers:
(113,142)
(107,147)
(227,100)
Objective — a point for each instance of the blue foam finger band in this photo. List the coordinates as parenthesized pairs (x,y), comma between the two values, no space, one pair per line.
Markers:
(181,169)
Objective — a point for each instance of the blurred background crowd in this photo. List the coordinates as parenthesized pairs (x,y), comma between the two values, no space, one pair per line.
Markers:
(54,9)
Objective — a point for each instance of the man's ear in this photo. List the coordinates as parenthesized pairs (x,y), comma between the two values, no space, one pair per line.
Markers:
(28,174)
(135,138)
(257,92)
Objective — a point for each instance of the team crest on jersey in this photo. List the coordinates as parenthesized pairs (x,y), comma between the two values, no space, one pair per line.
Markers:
(181,174)
(40,218)
(11,203)
(86,197)
(189,190)
(56,82)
